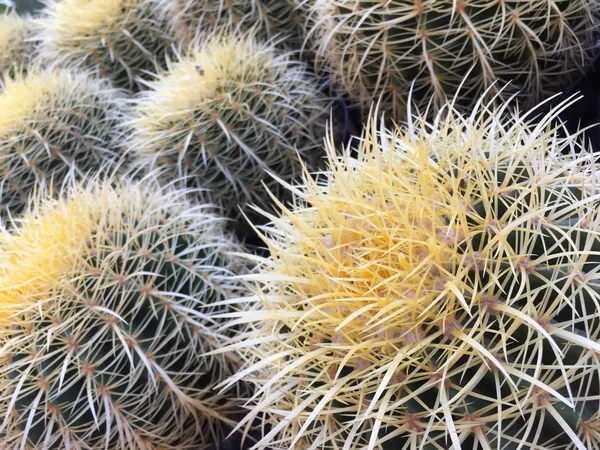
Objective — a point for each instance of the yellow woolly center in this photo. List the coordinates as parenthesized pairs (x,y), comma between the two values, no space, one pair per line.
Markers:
(11,29)
(72,19)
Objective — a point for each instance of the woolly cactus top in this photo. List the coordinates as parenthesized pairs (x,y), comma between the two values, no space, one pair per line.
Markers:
(437,289)
(16,41)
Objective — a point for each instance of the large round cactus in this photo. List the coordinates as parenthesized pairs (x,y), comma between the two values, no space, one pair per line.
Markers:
(376,48)
(228,112)
(121,39)
(17,45)
(436,291)
(54,123)
(105,315)
(193,19)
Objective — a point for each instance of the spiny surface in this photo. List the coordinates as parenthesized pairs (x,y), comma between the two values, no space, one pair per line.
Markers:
(121,39)
(105,314)
(379,49)
(225,114)
(16,43)
(53,124)
(196,19)
(439,290)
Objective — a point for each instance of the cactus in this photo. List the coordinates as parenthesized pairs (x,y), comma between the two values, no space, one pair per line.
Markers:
(225,113)
(105,316)
(379,49)
(54,123)
(191,19)
(121,39)
(17,46)
(438,290)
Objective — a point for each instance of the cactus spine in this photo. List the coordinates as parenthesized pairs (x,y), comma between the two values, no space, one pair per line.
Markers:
(17,46)
(438,290)
(105,314)
(121,39)
(226,113)
(373,48)
(54,123)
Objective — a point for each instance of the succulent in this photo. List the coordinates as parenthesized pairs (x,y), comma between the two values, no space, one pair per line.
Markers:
(121,39)
(227,112)
(17,46)
(268,19)
(54,123)
(438,290)
(376,49)
(105,316)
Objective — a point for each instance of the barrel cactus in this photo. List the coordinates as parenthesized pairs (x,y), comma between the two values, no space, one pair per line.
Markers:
(121,39)
(105,316)
(227,112)
(193,19)
(17,44)
(437,290)
(54,123)
(379,49)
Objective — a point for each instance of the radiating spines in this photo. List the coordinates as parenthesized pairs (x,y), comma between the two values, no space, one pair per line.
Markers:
(106,314)
(434,288)
(17,44)
(123,40)
(192,20)
(227,115)
(386,49)
(54,123)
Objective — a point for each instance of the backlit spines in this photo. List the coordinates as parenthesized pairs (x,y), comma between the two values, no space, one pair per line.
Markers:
(379,49)
(434,290)
(54,123)
(123,40)
(227,114)
(105,316)
(17,45)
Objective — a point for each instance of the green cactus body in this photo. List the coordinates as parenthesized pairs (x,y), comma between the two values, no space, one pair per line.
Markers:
(436,290)
(106,312)
(225,114)
(17,46)
(192,19)
(379,49)
(54,124)
(121,39)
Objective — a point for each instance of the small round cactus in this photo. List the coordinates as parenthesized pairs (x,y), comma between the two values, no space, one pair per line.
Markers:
(105,316)
(17,45)
(436,290)
(193,19)
(122,39)
(228,112)
(377,49)
(54,123)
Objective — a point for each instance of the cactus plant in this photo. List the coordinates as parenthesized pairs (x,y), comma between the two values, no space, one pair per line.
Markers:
(121,39)
(225,113)
(379,49)
(192,19)
(438,290)
(105,316)
(16,43)
(54,123)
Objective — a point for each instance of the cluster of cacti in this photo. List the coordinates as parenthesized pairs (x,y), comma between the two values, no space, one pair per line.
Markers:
(123,40)
(105,316)
(17,44)
(54,123)
(437,290)
(280,20)
(229,114)
(387,49)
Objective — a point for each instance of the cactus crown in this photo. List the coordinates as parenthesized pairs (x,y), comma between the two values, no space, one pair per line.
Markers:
(105,316)
(226,111)
(429,291)
(16,44)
